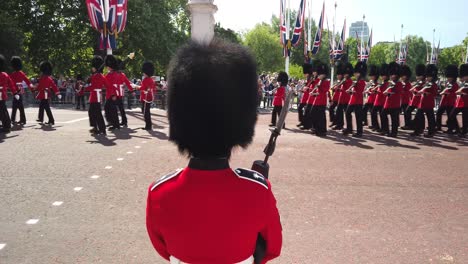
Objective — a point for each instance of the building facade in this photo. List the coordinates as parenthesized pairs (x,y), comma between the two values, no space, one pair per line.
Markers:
(357,28)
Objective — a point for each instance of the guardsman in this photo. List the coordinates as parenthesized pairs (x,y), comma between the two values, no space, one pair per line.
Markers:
(461,105)
(319,106)
(416,96)
(356,101)
(207,212)
(5,84)
(280,95)
(307,70)
(19,77)
(379,98)
(113,77)
(406,94)
(372,84)
(147,91)
(340,68)
(46,88)
(426,106)
(97,85)
(344,96)
(392,104)
(121,92)
(308,123)
(449,95)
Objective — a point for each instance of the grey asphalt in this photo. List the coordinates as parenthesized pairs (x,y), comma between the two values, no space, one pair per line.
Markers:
(341,200)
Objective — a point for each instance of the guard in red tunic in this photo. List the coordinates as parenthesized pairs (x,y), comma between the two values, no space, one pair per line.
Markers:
(461,105)
(280,95)
(344,96)
(380,98)
(370,93)
(147,91)
(427,104)
(18,77)
(121,92)
(392,104)
(405,93)
(319,106)
(307,70)
(80,92)
(356,101)
(46,88)
(449,95)
(207,212)
(340,68)
(308,118)
(113,77)
(97,85)
(5,84)
(416,96)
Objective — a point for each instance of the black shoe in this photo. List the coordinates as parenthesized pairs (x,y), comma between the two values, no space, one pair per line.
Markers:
(5,130)
(415,134)
(148,129)
(429,135)
(405,128)
(299,125)
(392,135)
(93,131)
(346,131)
(123,124)
(39,121)
(112,128)
(337,128)
(303,128)
(321,134)
(49,123)
(383,133)
(271,125)
(462,135)
(371,127)
(357,135)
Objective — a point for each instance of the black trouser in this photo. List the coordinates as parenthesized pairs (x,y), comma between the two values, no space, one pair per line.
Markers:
(18,105)
(120,105)
(395,117)
(308,117)
(419,122)
(276,113)
(142,107)
(129,101)
(44,105)
(147,112)
(319,119)
(4,116)
(110,112)
(357,109)
(339,118)
(403,108)
(331,112)
(440,112)
(409,122)
(366,109)
(300,112)
(80,100)
(95,117)
(376,111)
(453,122)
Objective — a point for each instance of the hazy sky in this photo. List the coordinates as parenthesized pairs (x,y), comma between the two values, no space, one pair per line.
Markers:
(420,17)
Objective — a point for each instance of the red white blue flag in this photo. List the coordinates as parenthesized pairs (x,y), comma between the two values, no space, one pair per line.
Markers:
(340,48)
(318,34)
(299,26)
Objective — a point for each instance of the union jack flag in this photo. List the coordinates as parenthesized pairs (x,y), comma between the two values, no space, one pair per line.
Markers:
(95,14)
(435,54)
(121,16)
(318,34)
(340,48)
(299,24)
(283,30)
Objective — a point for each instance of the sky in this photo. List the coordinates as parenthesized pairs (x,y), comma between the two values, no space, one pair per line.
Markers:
(419,17)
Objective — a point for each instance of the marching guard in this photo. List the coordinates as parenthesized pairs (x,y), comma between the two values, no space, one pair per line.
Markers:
(18,77)
(280,95)
(340,68)
(392,104)
(307,70)
(344,96)
(46,88)
(371,94)
(406,94)
(449,95)
(113,77)
(320,95)
(121,92)
(147,90)
(356,101)
(427,103)
(97,85)
(5,84)
(379,99)
(416,96)
(461,105)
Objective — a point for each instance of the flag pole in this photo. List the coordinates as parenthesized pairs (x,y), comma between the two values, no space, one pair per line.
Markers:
(105,19)
(288,9)
(309,30)
(333,49)
(466,55)
(401,43)
(433,44)
(362,35)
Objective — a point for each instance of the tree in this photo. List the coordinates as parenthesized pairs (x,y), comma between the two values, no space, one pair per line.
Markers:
(266,48)
(226,34)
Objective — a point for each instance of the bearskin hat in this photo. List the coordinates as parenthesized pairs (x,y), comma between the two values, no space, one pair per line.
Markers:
(218,83)
(111,62)
(46,68)
(16,63)
(451,71)
(307,68)
(2,63)
(121,65)
(394,69)
(432,71)
(383,69)
(361,68)
(314,63)
(97,62)
(348,69)
(148,68)
(322,68)
(405,71)
(464,70)
(340,68)
(420,70)
(283,78)
(373,70)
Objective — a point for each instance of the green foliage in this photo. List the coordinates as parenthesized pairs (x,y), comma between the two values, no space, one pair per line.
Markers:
(266,48)
(226,34)
(295,71)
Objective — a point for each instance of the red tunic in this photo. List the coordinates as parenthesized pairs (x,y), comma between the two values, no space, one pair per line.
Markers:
(416,96)
(311,99)
(336,94)
(45,88)
(306,90)
(147,90)
(450,98)
(6,84)
(380,97)
(462,100)
(393,101)
(115,80)
(98,84)
(323,89)
(428,98)
(124,80)
(18,77)
(344,96)
(406,94)
(212,216)
(280,95)
(357,98)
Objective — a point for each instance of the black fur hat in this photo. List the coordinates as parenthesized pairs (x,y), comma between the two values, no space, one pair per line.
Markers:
(464,70)
(16,63)
(307,68)
(46,68)
(212,98)
(121,64)
(432,71)
(383,69)
(373,70)
(451,71)
(2,63)
(314,63)
(394,69)
(148,68)
(420,70)
(340,68)
(361,68)
(322,68)
(97,62)
(405,71)
(348,69)
(111,62)
(283,78)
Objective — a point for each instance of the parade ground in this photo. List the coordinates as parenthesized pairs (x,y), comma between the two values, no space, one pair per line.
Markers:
(69,197)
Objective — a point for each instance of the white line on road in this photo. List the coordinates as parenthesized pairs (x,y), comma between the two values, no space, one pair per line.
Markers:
(120,159)
(2,246)
(129,152)
(137,147)
(108,167)
(73,121)
(144,142)
(32,221)
(57,203)
(95,177)
(77,189)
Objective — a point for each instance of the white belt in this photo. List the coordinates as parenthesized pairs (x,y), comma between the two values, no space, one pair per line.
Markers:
(98,94)
(174,260)
(1,89)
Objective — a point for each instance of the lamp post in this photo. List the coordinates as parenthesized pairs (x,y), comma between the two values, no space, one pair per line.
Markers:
(203,22)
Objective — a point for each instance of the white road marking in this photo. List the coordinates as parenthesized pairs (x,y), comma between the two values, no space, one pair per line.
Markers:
(129,152)
(95,177)
(32,221)
(120,159)
(57,203)
(73,121)
(137,147)
(108,167)
(2,246)
(144,142)
(77,189)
